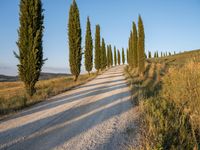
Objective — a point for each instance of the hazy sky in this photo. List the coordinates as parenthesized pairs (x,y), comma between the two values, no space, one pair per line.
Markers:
(170,25)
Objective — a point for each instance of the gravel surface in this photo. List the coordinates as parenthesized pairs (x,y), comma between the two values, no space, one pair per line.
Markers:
(98,115)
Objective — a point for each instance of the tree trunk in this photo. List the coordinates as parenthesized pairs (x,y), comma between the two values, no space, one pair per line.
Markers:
(30,90)
(75,78)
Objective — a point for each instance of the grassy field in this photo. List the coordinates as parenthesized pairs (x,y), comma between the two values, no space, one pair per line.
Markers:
(13,96)
(177,59)
(169,99)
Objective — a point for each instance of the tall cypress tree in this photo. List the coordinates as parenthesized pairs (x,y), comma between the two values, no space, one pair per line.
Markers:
(149,54)
(111,56)
(88,48)
(74,35)
(115,56)
(108,56)
(123,56)
(97,49)
(103,55)
(30,43)
(127,53)
(119,59)
(134,46)
(131,56)
(141,46)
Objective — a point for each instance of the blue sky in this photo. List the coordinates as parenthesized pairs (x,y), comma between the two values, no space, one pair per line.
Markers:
(170,25)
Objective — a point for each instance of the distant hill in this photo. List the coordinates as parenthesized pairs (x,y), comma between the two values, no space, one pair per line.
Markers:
(43,76)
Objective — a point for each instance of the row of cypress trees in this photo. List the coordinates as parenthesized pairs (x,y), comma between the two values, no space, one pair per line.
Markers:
(162,54)
(103,53)
(136,47)
(30,46)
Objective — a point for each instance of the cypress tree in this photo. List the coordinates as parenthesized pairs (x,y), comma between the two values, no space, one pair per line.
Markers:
(123,56)
(103,55)
(131,56)
(29,43)
(119,59)
(88,48)
(141,46)
(108,56)
(115,56)
(111,56)
(74,35)
(97,49)
(149,54)
(127,56)
(154,54)
(134,46)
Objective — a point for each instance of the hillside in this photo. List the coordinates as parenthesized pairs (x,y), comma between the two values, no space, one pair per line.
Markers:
(177,59)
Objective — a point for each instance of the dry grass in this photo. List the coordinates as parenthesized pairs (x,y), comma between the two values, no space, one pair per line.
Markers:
(170,105)
(177,59)
(147,85)
(13,96)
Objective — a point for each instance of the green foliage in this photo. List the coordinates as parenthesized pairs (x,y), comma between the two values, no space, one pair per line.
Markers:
(141,46)
(119,58)
(127,58)
(134,47)
(130,50)
(111,56)
(97,49)
(74,35)
(30,43)
(108,56)
(115,56)
(88,48)
(103,55)
(149,54)
(123,56)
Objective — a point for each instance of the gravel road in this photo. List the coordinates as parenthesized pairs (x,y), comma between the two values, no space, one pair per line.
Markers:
(98,115)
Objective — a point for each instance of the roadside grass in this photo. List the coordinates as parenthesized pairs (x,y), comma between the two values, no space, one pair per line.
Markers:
(169,100)
(13,96)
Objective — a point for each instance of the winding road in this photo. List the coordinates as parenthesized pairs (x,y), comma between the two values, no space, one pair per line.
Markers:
(98,115)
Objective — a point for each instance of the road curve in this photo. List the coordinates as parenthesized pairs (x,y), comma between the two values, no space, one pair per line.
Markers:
(92,116)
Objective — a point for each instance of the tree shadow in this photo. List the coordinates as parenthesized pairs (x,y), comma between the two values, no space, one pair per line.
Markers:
(77,96)
(100,83)
(113,76)
(55,130)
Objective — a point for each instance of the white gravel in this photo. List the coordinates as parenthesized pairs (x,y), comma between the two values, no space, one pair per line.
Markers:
(98,115)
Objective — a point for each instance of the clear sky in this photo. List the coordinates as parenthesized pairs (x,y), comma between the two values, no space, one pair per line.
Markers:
(170,25)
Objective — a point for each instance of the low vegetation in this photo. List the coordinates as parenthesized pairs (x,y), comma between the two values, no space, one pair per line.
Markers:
(169,99)
(13,95)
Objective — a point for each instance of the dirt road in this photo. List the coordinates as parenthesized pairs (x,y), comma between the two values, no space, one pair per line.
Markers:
(97,115)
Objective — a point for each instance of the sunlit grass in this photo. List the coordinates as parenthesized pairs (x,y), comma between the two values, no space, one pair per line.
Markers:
(170,105)
(13,96)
